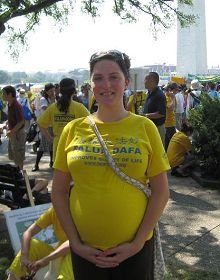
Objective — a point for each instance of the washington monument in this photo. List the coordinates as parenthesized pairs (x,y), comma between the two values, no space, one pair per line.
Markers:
(191,42)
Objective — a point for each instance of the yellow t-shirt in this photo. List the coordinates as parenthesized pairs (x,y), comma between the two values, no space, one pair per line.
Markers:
(140,100)
(107,210)
(53,117)
(170,114)
(50,218)
(91,100)
(179,145)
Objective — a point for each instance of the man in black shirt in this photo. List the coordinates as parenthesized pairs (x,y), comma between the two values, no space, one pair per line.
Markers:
(155,104)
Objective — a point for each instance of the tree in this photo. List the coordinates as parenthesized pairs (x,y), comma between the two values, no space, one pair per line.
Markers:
(205,120)
(79,75)
(4,77)
(18,77)
(38,77)
(162,12)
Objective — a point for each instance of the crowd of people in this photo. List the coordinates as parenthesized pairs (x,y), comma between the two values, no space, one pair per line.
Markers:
(104,224)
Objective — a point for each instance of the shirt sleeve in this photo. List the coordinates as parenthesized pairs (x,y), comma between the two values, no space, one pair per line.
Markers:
(162,104)
(45,219)
(187,144)
(81,111)
(19,114)
(45,119)
(43,103)
(61,153)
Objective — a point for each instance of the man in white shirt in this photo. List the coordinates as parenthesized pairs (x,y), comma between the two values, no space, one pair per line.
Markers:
(179,109)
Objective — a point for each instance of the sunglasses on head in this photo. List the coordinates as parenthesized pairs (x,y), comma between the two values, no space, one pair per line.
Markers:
(113,53)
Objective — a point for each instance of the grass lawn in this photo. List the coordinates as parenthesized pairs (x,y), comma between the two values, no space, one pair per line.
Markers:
(6,254)
(177,273)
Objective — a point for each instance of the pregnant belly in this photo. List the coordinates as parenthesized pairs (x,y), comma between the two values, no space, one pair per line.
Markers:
(108,221)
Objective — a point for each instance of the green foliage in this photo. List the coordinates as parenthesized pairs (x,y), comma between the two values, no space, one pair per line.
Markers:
(80,75)
(6,254)
(162,13)
(31,11)
(4,77)
(18,77)
(206,137)
(175,273)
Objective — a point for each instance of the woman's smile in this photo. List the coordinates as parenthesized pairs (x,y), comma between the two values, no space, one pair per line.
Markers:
(107,94)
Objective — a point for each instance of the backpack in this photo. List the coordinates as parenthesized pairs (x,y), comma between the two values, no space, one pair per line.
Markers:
(32,132)
(27,112)
(196,99)
(1,105)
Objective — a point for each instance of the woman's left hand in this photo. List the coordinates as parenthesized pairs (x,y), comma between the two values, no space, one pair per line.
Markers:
(117,254)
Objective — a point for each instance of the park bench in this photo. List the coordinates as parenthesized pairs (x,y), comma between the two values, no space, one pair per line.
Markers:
(10,181)
(13,181)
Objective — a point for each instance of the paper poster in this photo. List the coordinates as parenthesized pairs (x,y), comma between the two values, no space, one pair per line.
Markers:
(20,219)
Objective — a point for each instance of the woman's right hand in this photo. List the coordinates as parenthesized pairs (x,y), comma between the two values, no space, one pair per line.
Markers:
(89,253)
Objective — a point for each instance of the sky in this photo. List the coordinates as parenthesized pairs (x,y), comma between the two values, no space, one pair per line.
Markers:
(50,50)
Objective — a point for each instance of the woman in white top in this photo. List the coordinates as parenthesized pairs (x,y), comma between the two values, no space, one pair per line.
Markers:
(47,98)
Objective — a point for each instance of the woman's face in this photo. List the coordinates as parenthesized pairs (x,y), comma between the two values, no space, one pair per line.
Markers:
(51,93)
(108,82)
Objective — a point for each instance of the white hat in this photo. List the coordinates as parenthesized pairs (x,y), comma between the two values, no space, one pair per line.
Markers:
(195,84)
(22,91)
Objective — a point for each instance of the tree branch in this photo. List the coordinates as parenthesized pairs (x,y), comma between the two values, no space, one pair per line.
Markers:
(33,8)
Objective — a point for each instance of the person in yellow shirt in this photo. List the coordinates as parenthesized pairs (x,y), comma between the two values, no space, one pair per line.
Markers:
(179,152)
(108,221)
(170,121)
(93,105)
(59,114)
(136,102)
(35,254)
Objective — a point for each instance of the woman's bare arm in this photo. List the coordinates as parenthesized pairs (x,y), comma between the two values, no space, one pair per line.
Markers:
(25,244)
(60,199)
(46,133)
(156,204)
(60,251)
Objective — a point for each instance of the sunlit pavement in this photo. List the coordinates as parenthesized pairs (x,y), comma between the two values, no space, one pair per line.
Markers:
(190,225)
(44,172)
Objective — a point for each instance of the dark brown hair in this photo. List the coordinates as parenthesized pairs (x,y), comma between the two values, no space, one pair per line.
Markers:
(120,58)
(67,89)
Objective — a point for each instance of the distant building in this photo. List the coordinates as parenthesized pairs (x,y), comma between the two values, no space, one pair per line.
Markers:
(214,70)
(138,74)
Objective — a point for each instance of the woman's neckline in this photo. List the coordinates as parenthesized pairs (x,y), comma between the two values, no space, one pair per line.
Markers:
(110,119)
